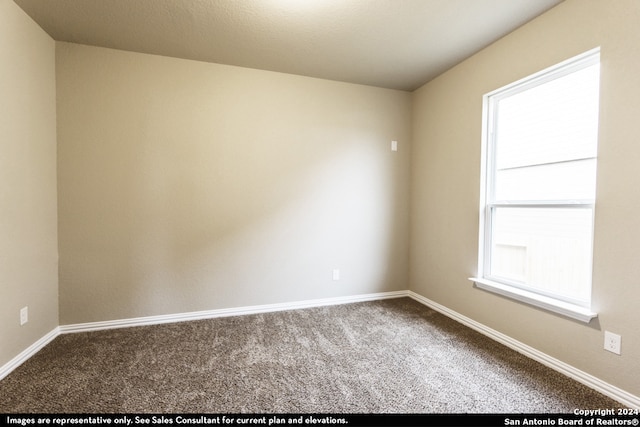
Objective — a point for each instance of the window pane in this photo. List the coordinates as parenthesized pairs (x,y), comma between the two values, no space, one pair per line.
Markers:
(545,249)
(542,150)
(557,181)
(551,122)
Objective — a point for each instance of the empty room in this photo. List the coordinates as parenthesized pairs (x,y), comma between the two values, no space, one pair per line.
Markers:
(320,207)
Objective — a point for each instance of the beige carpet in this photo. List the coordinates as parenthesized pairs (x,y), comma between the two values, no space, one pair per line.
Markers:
(390,356)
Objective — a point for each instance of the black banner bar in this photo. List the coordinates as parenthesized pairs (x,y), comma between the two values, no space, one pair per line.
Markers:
(580,418)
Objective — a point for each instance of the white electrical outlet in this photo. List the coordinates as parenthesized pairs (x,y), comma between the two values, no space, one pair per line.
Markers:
(394,145)
(24,315)
(336,274)
(612,342)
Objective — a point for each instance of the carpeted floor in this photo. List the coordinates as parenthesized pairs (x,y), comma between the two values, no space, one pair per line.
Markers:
(390,356)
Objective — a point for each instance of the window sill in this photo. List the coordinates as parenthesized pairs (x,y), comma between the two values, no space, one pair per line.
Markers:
(566,309)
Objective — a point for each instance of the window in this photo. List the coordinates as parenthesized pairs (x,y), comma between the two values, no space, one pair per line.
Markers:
(538,187)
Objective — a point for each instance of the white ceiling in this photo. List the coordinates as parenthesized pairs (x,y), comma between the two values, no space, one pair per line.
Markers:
(399,44)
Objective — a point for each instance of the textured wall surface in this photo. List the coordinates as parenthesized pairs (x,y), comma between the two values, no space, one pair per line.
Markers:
(28,217)
(447,123)
(187,186)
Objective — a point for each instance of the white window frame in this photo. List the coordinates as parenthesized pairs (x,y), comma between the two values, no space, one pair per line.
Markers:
(572,309)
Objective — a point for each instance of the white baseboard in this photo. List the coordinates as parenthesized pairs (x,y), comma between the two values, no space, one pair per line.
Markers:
(589,380)
(7,368)
(225,312)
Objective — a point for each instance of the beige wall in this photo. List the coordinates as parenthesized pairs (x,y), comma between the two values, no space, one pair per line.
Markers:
(445,186)
(187,186)
(28,221)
